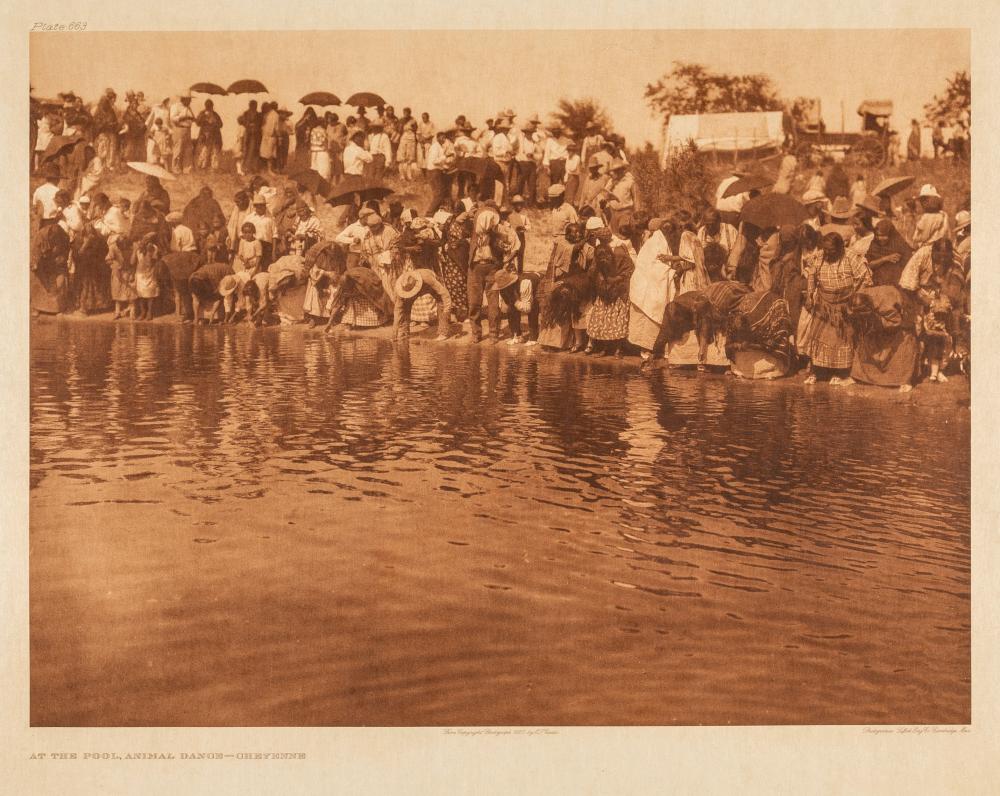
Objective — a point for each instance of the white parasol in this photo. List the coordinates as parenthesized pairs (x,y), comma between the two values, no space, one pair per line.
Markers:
(151,169)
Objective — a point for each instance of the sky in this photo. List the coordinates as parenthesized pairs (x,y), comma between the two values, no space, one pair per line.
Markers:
(480,72)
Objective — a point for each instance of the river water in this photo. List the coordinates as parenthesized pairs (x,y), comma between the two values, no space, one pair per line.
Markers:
(238,527)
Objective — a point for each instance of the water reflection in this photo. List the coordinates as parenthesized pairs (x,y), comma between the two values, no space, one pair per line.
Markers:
(491,533)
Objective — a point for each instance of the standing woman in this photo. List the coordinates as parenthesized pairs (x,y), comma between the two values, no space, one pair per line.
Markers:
(557,330)
(888,254)
(91,273)
(302,128)
(406,156)
(454,261)
(824,335)
(145,258)
(49,268)
(319,150)
(651,288)
(613,267)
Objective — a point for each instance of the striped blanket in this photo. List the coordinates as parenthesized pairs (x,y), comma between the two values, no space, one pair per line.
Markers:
(761,321)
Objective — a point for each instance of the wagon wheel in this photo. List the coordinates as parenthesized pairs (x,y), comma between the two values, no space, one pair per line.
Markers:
(869,151)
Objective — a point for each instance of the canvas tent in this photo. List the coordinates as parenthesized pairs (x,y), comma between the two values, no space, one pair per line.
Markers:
(724,132)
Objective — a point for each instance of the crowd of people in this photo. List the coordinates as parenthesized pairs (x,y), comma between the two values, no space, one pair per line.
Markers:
(859,290)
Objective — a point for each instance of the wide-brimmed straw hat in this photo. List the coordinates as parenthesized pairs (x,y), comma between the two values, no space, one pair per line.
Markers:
(229,285)
(502,280)
(408,284)
(617,164)
(556,190)
(929,190)
(870,205)
(963,218)
(594,223)
(841,208)
(814,196)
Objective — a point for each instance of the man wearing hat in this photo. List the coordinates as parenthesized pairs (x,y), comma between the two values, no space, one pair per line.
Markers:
(520,295)
(409,287)
(592,142)
(265,229)
(440,165)
(839,220)
(380,148)
(573,173)
(621,202)
(963,235)
(213,283)
(555,154)
(181,119)
(524,161)
(501,151)
(816,204)
(594,186)
(562,212)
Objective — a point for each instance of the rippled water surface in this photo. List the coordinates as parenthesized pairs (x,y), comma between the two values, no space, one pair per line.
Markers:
(233,527)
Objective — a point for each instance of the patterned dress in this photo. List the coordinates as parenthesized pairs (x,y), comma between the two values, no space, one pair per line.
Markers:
(455,267)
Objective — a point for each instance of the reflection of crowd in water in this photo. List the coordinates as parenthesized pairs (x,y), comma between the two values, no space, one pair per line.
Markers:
(850,293)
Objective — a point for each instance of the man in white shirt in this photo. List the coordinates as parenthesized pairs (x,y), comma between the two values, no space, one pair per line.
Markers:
(555,154)
(181,119)
(43,200)
(501,150)
(440,164)
(181,236)
(264,226)
(380,148)
(524,163)
(355,155)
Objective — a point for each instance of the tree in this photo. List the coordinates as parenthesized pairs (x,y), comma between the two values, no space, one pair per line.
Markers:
(955,104)
(575,115)
(692,88)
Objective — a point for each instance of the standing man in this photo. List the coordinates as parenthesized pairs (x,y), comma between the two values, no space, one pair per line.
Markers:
(484,259)
(524,163)
(380,148)
(502,152)
(355,155)
(556,152)
(440,165)
(265,229)
(426,132)
(181,119)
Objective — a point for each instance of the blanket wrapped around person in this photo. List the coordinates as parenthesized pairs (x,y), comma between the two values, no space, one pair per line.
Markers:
(565,303)
(758,333)
(885,323)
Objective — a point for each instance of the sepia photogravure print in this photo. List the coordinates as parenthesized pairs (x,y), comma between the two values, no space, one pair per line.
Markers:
(623,379)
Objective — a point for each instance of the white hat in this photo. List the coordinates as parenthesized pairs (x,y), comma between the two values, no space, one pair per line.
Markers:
(929,190)
(962,219)
(259,199)
(594,222)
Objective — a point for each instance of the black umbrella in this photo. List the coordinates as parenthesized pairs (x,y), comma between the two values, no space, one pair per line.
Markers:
(893,185)
(343,193)
(753,182)
(365,98)
(247,87)
(320,98)
(312,181)
(773,210)
(208,88)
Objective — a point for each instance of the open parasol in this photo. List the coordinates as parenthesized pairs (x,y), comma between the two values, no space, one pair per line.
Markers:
(751,182)
(151,169)
(208,88)
(893,185)
(343,193)
(366,98)
(322,98)
(59,144)
(312,181)
(247,87)
(773,210)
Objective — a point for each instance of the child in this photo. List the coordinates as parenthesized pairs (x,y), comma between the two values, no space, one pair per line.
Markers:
(147,287)
(162,143)
(246,261)
(519,221)
(936,325)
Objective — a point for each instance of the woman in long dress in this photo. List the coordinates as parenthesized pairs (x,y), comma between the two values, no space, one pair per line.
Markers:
(824,335)
(651,288)
(608,326)
(319,150)
(49,268)
(91,274)
(557,332)
(454,262)
(886,352)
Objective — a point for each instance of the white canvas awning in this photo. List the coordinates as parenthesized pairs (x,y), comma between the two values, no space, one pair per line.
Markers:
(726,132)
